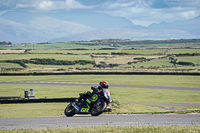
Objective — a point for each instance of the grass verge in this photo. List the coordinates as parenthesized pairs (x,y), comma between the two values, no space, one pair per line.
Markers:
(57,109)
(110,129)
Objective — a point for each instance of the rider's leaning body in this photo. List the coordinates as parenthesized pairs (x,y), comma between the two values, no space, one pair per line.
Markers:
(102,85)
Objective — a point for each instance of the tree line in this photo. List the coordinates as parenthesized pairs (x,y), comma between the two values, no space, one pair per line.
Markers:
(5,43)
(49,62)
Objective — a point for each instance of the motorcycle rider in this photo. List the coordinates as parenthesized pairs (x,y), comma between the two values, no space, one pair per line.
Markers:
(102,85)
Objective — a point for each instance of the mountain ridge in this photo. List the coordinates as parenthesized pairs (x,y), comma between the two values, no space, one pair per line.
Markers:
(78,26)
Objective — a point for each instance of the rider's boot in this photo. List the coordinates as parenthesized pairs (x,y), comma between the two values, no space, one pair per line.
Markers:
(78,100)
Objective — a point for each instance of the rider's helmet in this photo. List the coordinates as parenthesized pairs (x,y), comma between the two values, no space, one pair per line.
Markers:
(103,84)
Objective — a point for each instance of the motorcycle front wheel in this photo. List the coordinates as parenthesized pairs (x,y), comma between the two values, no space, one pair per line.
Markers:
(98,108)
(69,110)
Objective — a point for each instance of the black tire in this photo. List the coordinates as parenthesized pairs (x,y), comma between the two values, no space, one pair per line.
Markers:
(98,109)
(69,110)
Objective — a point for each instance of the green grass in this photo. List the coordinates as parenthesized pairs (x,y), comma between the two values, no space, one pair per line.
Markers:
(120,44)
(144,51)
(114,59)
(58,46)
(49,56)
(10,65)
(154,63)
(32,110)
(157,80)
(178,51)
(74,51)
(45,67)
(121,94)
(193,59)
(57,109)
(114,129)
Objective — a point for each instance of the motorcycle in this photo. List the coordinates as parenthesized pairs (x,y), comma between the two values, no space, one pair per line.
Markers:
(95,104)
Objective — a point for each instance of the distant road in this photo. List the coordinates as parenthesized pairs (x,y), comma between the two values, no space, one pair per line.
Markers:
(102,120)
(111,85)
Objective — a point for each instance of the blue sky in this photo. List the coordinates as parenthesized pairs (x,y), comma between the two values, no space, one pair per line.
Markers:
(140,12)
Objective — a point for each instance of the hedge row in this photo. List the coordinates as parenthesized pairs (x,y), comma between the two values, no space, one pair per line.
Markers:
(37,100)
(49,62)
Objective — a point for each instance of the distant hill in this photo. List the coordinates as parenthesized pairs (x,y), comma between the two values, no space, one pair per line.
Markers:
(45,26)
(126,33)
(93,19)
(20,27)
(17,32)
(191,26)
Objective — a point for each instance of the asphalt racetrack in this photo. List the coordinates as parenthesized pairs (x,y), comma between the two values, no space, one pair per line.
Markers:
(102,120)
(111,85)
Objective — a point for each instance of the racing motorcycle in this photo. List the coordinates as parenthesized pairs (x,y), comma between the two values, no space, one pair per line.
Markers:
(95,104)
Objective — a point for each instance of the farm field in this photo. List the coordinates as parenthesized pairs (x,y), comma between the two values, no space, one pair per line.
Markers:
(104,56)
(105,61)
(46,56)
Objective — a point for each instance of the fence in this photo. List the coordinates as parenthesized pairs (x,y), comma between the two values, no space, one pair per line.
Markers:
(49,100)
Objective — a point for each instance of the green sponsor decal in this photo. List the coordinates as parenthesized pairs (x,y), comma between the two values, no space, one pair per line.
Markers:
(88,100)
(84,110)
(94,98)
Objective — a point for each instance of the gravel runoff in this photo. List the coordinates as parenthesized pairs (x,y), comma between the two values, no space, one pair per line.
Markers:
(102,120)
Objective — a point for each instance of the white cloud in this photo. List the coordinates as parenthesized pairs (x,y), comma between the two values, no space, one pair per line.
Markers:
(143,12)
(188,14)
(23,6)
(73,4)
(120,5)
(140,12)
(48,5)
(183,3)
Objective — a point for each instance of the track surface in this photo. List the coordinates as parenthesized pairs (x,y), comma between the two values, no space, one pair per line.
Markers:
(111,85)
(102,120)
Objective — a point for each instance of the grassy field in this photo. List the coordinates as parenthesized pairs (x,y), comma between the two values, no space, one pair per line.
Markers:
(57,109)
(184,50)
(121,60)
(10,65)
(193,59)
(99,56)
(74,51)
(157,80)
(48,56)
(109,129)
(121,94)
(144,51)
(118,94)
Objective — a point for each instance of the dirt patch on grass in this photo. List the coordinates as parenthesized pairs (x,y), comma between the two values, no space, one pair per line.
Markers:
(11,51)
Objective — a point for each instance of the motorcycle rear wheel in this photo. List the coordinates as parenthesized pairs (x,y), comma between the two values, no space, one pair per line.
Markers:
(98,109)
(69,110)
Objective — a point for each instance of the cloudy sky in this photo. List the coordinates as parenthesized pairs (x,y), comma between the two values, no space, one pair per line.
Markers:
(140,12)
